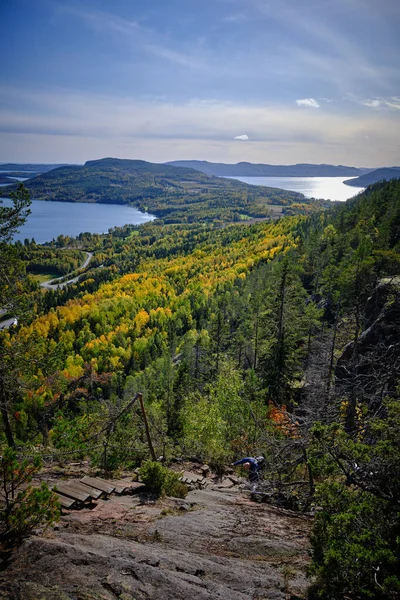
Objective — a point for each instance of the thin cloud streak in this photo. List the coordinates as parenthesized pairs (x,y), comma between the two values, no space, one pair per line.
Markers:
(102,21)
(324,54)
(174,56)
(334,54)
(134,34)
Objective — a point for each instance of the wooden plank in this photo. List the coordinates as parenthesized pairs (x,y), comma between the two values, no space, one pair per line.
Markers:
(67,489)
(121,489)
(65,502)
(93,492)
(98,484)
(128,488)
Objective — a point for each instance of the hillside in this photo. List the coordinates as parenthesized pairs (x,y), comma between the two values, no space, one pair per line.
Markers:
(279,339)
(5,179)
(385,174)
(245,169)
(175,194)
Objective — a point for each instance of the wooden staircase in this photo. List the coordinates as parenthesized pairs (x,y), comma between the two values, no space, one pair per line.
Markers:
(81,493)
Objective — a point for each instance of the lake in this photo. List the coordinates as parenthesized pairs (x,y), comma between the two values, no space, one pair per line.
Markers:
(51,219)
(328,188)
(48,220)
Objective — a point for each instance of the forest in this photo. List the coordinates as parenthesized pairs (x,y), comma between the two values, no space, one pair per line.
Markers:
(278,338)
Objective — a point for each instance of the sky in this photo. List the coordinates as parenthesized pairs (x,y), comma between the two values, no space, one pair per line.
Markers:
(278,82)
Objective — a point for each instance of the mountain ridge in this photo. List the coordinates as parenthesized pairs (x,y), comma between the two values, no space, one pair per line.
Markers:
(384,174)
(243,169)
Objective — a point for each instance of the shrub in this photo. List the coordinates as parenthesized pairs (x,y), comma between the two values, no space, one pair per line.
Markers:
(173,486)
(162,481)
(356,533)
(355,546)
(23,507)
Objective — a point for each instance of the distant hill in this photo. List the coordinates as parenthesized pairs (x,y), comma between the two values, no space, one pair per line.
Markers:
(173,193)
(5,179)
(32,167)
(246,169)
(384,174)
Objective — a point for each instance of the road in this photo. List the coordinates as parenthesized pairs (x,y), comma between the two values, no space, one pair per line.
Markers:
(6,324)
(49,285)
(53,285)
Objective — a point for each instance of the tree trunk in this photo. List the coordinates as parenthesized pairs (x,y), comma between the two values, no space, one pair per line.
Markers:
(7,426)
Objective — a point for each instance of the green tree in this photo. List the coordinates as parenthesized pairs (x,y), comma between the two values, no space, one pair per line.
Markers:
(356,535)
(23,507)
(12,292)
(11,219)
(287,320)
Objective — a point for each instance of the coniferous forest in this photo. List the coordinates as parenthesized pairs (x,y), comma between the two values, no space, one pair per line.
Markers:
(278,338)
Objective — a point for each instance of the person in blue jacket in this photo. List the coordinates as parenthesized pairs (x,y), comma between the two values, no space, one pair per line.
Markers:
(253,465)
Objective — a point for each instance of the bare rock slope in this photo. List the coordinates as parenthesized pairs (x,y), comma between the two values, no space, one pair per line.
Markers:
(215,544)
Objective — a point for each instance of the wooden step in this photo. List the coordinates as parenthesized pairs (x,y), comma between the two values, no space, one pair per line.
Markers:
(121,489)
(65,502)
(68,489)
(94,492)
(98,484)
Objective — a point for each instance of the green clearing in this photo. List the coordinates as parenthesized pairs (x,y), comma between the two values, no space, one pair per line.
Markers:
(41,278)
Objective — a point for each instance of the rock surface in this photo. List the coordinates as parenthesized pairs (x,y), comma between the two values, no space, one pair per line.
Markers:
(220,546)
(372,366)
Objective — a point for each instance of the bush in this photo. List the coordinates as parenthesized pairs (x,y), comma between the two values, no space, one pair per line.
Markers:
(23,508)
(162,481)
(355,546)
(173,486)
(356,533)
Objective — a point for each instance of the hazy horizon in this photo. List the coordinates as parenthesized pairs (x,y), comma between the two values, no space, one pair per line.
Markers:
(295,81)
(32,162)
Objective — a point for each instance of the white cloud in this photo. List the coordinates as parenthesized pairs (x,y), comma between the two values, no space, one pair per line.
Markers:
(393,103)
(307,102)
(371,103)
(241,137)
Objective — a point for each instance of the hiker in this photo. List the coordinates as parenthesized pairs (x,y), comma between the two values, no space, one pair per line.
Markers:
(253,465)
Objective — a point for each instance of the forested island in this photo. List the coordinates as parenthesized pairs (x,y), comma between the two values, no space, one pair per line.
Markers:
(278,338)
(171,193)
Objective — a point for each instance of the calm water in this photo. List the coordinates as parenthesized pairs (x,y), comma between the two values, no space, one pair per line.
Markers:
(51,219)
(328,188)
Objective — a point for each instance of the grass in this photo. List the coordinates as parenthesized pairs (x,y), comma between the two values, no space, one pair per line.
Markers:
(42,278)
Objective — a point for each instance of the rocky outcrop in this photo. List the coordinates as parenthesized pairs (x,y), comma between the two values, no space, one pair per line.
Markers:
(214,544)
(373,364)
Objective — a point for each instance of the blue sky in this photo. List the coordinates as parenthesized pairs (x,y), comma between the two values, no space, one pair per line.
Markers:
(222,80)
